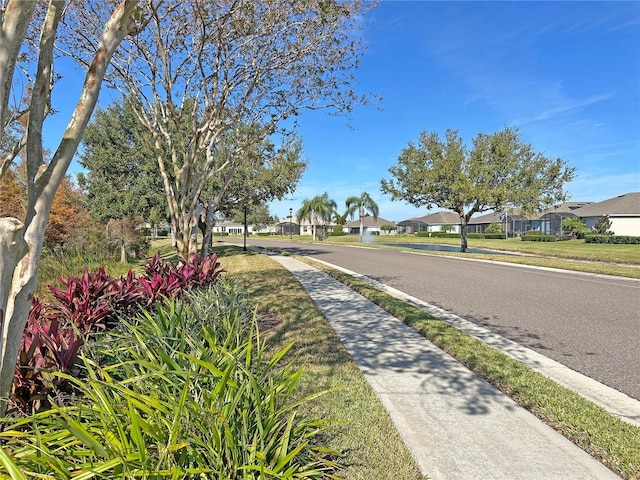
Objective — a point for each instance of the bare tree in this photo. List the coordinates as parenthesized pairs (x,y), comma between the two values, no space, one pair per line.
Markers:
(202,70)
(21,240)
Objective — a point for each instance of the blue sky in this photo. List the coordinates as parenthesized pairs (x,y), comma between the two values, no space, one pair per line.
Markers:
(567,74)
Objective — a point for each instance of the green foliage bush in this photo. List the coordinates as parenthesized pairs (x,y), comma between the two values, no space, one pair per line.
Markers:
(538,238)
(336,234)
(263,234)
(494,228)
(613,239)
(491,236)
(576,226)
(186,392)
(220,234)
(445,235)
(438,234)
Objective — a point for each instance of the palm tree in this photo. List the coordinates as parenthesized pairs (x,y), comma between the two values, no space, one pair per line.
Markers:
(364,203)
(318,208)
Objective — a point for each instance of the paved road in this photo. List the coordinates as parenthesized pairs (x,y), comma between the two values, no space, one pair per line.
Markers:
(586,322)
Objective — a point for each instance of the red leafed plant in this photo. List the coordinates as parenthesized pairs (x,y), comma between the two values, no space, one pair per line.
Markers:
(46,346)
(84,302)
(56,332)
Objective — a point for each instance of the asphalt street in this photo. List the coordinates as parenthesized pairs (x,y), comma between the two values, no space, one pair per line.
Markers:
(587,322)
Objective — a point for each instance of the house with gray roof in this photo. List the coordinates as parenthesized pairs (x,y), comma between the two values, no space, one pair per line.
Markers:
(512,223)
(623,212)
(369,225)
(430,223)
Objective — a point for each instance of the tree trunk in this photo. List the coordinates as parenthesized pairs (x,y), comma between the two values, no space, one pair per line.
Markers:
(12,250)
(22,245)
(210,221)
(463,233)
(123,253)
(314,219)
(13,30)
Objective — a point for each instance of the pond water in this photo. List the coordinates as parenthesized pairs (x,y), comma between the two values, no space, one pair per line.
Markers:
(445,248)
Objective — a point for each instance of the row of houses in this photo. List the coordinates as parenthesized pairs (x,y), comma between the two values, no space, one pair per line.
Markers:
(623,212)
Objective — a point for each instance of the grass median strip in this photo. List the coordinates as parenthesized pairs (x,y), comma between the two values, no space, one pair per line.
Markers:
(363,432)
(615,443)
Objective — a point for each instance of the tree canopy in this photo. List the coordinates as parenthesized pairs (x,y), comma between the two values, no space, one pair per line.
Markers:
(203,71)
(122,177)
(319,208)
(499,171)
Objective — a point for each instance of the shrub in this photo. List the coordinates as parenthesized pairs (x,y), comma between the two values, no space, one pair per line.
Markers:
(538,238)
(494,228)
(445,235)
(602,226)
(183,396)
(56,331)
(577,227)
(387,228)
(495,236)
(613,239)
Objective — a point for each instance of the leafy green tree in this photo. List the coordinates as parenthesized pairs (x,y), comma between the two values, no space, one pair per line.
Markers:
(602,226)
(245,63)
(494,228)
(447,227)
(499,171)
(257,214)
(319,208)
(363,204)
(122,178)
(576,226)
(123,182)
(266,173)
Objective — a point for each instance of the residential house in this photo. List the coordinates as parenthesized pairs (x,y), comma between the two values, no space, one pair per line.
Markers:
(623,212)
(369,225)
(232,228)
(550,221)
(293,226)
(430,223)
(288,226)
(512,223)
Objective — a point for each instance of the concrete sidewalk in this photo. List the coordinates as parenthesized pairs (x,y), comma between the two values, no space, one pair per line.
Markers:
(456,425)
